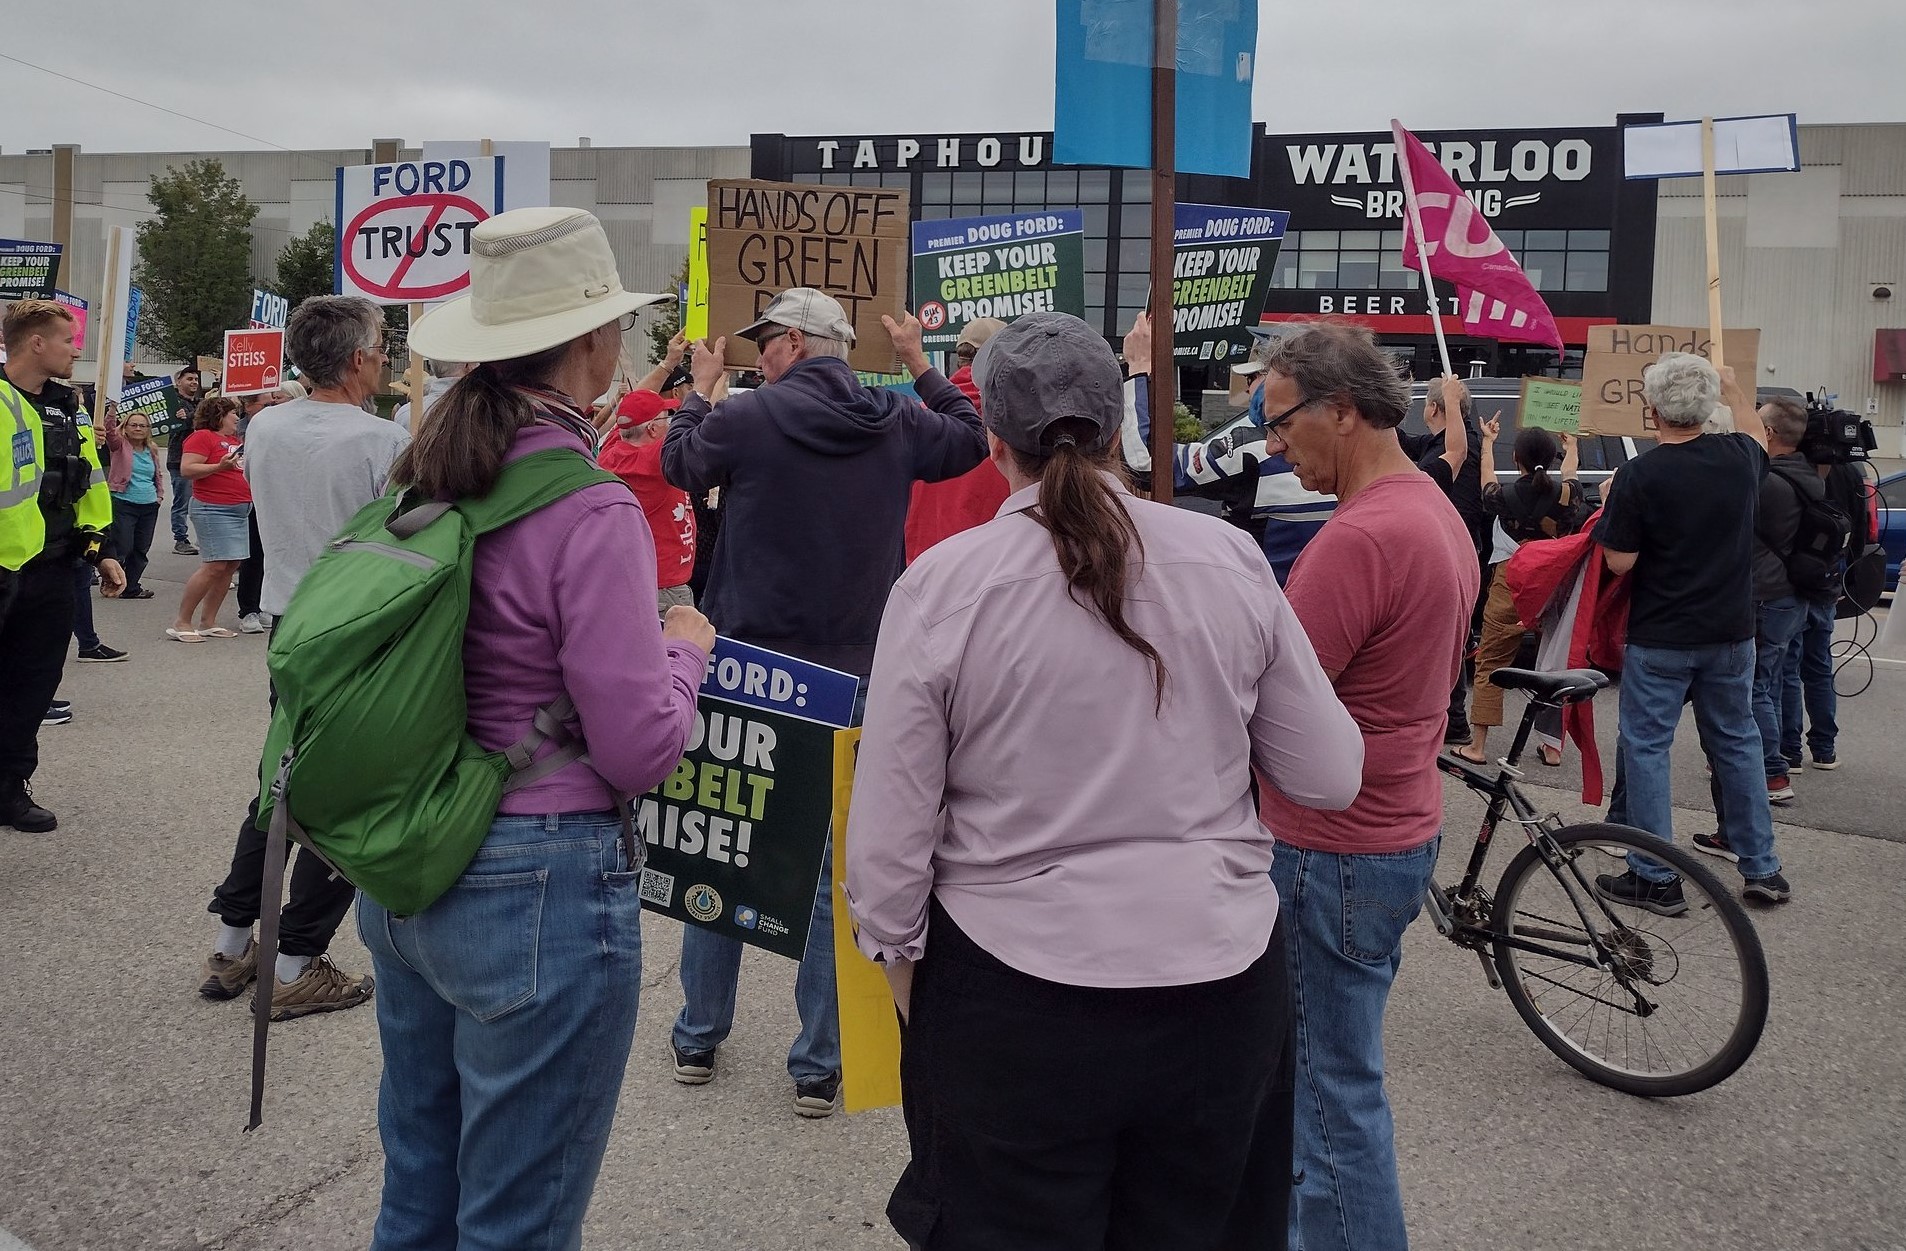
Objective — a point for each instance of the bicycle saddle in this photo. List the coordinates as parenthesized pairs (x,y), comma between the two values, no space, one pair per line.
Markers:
(1563,687)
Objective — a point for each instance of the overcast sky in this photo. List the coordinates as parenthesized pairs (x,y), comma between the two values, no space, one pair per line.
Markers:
(647,73)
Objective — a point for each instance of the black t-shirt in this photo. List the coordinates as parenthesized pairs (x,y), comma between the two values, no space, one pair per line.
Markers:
(1687,510)
(1464,489)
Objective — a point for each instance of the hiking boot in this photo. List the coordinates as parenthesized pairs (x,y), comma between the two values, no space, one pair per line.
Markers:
(101,654)
(250,624)
(18,810)
(1771,889)
(59,712)
(814,1098)
(1661,898)
(183,548)
(1715,844)
(693,1068)
(1779,791)
(1824,760)
(225,976)
(322,987)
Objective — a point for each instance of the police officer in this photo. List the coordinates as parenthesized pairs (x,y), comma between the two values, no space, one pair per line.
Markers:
(54,506)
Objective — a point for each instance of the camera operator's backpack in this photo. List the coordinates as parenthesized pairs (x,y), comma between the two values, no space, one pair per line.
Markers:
(1820,543)
(368,762)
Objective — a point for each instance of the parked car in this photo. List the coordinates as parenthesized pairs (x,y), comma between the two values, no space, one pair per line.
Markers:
(1892,501)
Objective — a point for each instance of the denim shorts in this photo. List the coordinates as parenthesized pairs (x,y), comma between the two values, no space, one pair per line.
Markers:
(223,530)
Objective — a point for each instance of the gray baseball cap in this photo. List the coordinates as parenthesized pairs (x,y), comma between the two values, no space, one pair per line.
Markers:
(1043,368)
(806,310)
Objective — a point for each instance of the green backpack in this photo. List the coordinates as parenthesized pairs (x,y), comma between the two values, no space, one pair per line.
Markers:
(367,761)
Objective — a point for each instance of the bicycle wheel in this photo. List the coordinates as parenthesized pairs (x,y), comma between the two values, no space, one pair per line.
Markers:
(1675,1005)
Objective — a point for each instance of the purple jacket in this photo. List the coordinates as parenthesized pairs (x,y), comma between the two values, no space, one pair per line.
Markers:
(564,600)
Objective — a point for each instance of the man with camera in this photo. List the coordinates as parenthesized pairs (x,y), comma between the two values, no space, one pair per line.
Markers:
(1806,686)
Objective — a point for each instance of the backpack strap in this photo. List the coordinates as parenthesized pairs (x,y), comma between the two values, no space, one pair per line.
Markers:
(270,903)
(532,482)
(547,726)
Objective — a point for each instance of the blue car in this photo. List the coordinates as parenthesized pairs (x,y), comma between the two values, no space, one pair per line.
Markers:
(1892,490)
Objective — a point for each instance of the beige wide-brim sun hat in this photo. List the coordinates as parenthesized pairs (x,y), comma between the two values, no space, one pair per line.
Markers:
(539,277)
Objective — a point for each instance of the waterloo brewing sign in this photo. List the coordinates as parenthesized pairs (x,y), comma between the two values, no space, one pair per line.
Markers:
(404,229)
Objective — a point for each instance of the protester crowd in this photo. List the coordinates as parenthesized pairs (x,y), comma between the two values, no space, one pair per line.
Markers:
(1133,782)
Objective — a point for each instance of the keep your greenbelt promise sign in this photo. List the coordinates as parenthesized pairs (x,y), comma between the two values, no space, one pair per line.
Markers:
(158,402)
(1222,261)
(737,834)
(968,268)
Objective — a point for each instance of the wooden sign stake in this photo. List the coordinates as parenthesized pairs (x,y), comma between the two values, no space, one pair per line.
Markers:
(1713,248)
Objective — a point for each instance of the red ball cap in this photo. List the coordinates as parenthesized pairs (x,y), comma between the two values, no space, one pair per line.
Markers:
(640,406)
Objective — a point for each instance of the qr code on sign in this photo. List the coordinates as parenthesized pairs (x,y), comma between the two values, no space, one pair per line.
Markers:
(658,888)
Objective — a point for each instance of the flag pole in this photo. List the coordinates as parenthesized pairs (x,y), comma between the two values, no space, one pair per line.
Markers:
(1164,174)
(1422,248)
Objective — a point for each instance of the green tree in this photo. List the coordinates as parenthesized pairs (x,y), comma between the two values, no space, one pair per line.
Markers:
(307,264)
(195,260)
(665,320)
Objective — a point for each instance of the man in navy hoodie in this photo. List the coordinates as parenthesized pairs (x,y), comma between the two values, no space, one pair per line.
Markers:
(815,472)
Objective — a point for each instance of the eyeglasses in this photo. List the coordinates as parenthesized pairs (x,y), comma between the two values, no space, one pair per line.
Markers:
(1283,418)
(762,343)
(626,322)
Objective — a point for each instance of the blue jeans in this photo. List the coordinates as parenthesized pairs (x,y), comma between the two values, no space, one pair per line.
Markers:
(1778,623)
(1345,916)
(1809,671)
(711,970)
(506,1010)
(1655,683)
(181,500)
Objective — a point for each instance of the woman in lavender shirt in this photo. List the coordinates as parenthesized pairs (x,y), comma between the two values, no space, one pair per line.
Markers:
(506,1008)
(1054,847)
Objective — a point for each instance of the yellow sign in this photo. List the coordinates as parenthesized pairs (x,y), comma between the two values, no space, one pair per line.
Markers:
(695,312)
(869,1027)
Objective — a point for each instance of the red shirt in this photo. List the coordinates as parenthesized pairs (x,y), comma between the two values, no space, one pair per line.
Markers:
(1385,591)
(670,516)
(940,510)
(227,486)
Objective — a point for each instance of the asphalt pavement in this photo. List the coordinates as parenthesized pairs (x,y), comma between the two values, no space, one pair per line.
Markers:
(122,1094)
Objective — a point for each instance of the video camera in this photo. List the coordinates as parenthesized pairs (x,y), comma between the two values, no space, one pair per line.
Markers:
(1835,436)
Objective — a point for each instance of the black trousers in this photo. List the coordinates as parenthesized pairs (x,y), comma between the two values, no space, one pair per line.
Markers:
(36,619)
(317,904)
(133,528)
(1459,696)
(251,574)
(1046,1117)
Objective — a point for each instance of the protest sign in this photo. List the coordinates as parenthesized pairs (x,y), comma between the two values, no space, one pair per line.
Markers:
(736,834)
(1742,145)
(695,302)
(254,361)
(28,270)
(403,230)
(158,402)
(77,307)
(135,300)
(528,183)
(869,1032)
(1617,355)
(115,299)
(1549,404)
(967,268)
(269,310)
(851,242)
(1222,259)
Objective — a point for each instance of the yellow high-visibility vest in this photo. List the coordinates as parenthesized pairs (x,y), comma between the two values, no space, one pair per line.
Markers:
(22,465)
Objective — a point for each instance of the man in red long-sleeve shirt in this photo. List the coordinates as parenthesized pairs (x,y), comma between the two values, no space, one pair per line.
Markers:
(940,510)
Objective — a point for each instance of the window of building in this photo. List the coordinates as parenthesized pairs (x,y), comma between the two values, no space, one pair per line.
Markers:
(1372,260)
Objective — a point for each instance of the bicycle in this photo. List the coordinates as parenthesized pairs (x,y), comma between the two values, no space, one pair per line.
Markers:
(1639,1001)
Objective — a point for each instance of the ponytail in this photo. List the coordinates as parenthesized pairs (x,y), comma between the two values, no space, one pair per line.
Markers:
(1092,533)
(457,451)
(1535,448)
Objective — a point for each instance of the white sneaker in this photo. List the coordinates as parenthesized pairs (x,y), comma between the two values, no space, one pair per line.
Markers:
(250,624)
(267,620)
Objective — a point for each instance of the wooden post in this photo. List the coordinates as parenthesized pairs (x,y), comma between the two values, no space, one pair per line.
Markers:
(1716,354)
(1164,376)
(110,314)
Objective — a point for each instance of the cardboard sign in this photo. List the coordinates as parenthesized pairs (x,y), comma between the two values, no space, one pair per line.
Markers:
(869,1028)
(269,310)
(77,307)
(967,268)
(1551,404)
(851,242)
(1742,145)
(695,301)
(1617,355)
(403,233)
(28,270)
(254,361)
(1222,260)
(157,400)
(738,832)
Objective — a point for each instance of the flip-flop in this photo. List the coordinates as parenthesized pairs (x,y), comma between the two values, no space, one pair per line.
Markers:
(1542,754)
(1463,755)
(184,636)
(217,632)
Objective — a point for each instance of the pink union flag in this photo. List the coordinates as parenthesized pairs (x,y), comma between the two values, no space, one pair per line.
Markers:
(1498,300)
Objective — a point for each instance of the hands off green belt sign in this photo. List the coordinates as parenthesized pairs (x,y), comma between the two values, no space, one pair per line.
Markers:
(737,834)
(967,268)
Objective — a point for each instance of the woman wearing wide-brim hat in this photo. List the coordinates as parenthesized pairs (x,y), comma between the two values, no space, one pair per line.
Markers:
(507,1007)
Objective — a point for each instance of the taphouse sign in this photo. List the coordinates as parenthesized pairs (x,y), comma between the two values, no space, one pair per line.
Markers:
(404,229)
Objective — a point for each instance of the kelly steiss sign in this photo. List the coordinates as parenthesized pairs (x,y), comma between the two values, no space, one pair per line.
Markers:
(1222,261)
(254,361)
(737,834)
(1005,267)
(403,233)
